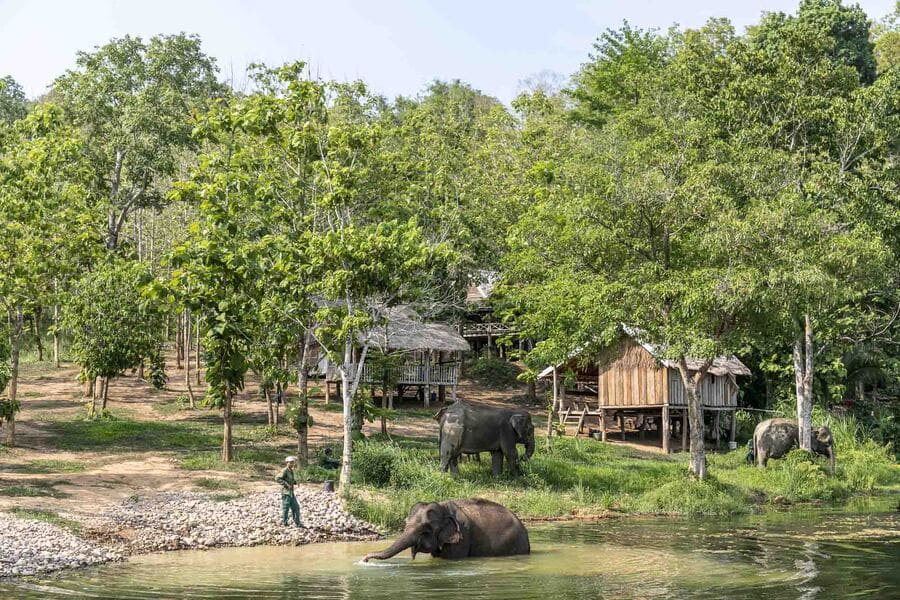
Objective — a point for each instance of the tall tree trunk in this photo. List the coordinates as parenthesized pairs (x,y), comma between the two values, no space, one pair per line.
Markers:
(56,335)
(691,383)
(187,357)
(227,443)
(17,324)
(179,340)
(349,381)
(36,329)
(303,399)
(104,396)
(803,381)
(197,351)
(551,412)
(270,415)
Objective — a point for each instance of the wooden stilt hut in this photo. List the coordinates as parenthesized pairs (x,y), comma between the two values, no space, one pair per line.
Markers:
(431,355)
(628,387)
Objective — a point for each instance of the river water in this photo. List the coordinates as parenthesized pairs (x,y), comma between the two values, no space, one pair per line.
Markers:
(819,553)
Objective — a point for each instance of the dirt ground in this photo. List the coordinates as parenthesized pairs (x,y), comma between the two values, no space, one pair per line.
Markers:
(38,474)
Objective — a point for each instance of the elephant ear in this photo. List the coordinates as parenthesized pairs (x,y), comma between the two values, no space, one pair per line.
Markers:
(519,423)
(450,533)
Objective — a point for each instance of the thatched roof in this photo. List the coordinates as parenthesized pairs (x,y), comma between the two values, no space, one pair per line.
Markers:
(722,365)
(405,331)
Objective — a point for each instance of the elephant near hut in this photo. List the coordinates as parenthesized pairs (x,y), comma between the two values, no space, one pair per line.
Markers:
(470,429)
(459,529)
(774,438)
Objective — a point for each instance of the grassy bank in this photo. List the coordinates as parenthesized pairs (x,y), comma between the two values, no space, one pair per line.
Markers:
(583,477)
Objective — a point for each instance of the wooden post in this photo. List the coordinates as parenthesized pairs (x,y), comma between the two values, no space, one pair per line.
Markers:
(733,432)
(427,378)
(622,424)
(684,429)
(717,429)
(550,413)
(602,424)
(665,428)
(327,388)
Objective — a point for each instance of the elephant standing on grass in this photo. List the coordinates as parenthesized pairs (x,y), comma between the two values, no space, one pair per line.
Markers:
(469,429)
(774,438)
(459,529)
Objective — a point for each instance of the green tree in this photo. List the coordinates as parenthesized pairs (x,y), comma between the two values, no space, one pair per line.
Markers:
(13,104)
(47,226)
(134,101)
(113,323)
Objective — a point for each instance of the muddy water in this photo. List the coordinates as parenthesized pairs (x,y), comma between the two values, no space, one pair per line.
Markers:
(797,554)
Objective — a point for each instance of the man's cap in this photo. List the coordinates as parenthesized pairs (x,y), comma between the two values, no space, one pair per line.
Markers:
(290,459)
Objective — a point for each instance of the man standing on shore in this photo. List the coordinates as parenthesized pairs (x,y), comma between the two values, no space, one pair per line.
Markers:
(288,499)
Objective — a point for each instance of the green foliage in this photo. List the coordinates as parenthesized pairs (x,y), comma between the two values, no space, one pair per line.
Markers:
(689,496)
(133,100)
(113,324)
(493,371)
(157,370)
(297,415)
(13,105)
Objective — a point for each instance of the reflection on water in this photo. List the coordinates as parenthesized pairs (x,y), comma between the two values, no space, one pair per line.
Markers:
(813,554)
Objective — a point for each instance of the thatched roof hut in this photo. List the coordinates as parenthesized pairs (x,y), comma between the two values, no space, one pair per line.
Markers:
(404,331)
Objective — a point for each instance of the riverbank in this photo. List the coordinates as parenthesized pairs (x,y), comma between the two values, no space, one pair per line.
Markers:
(583,478)
(169,521)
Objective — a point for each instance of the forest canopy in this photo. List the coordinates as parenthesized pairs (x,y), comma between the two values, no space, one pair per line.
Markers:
(723,192)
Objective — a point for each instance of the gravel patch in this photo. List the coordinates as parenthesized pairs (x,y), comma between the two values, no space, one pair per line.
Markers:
(174,521)
(29,547)
(188,520)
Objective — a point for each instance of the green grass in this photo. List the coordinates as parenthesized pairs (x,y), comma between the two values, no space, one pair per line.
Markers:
(48,466)
(216,484)
(583,477)
(34,489)
(127,435)
(47,516)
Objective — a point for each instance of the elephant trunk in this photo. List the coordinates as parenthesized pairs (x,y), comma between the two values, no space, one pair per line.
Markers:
(529,446)
(402,543)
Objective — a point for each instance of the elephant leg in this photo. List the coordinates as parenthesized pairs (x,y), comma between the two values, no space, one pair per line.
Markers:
(762,458)
(512,459)
(496,462)
(454,465)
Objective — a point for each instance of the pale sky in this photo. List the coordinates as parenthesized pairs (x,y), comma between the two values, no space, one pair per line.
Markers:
(395,46)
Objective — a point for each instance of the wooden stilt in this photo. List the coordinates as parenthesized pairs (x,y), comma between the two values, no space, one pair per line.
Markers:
(581,421)
(684,429)
(733,429)
(603,424)
(622,425)
(665,429)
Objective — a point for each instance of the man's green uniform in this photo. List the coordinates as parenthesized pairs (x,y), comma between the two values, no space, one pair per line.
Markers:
(288,499)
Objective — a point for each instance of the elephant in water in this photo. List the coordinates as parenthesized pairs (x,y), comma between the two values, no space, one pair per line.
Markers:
(469,429)
(460,529)
(774,438)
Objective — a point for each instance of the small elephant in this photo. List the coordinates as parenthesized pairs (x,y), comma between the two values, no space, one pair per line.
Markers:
(774,438)
(459,529)
(469,429)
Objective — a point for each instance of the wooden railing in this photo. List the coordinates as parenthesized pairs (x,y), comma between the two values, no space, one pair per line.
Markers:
(486,329)
(408,374)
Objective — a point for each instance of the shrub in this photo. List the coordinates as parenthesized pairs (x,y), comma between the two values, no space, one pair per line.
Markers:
(492,371)
(687,495)
(374,463)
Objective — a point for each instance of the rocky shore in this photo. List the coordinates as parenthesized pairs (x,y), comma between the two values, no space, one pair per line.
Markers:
(173,521)
(30,547)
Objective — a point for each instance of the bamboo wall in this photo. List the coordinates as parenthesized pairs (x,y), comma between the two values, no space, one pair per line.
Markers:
(630,376)
(715,390)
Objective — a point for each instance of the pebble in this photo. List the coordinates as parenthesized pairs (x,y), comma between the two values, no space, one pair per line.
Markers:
(174,521)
